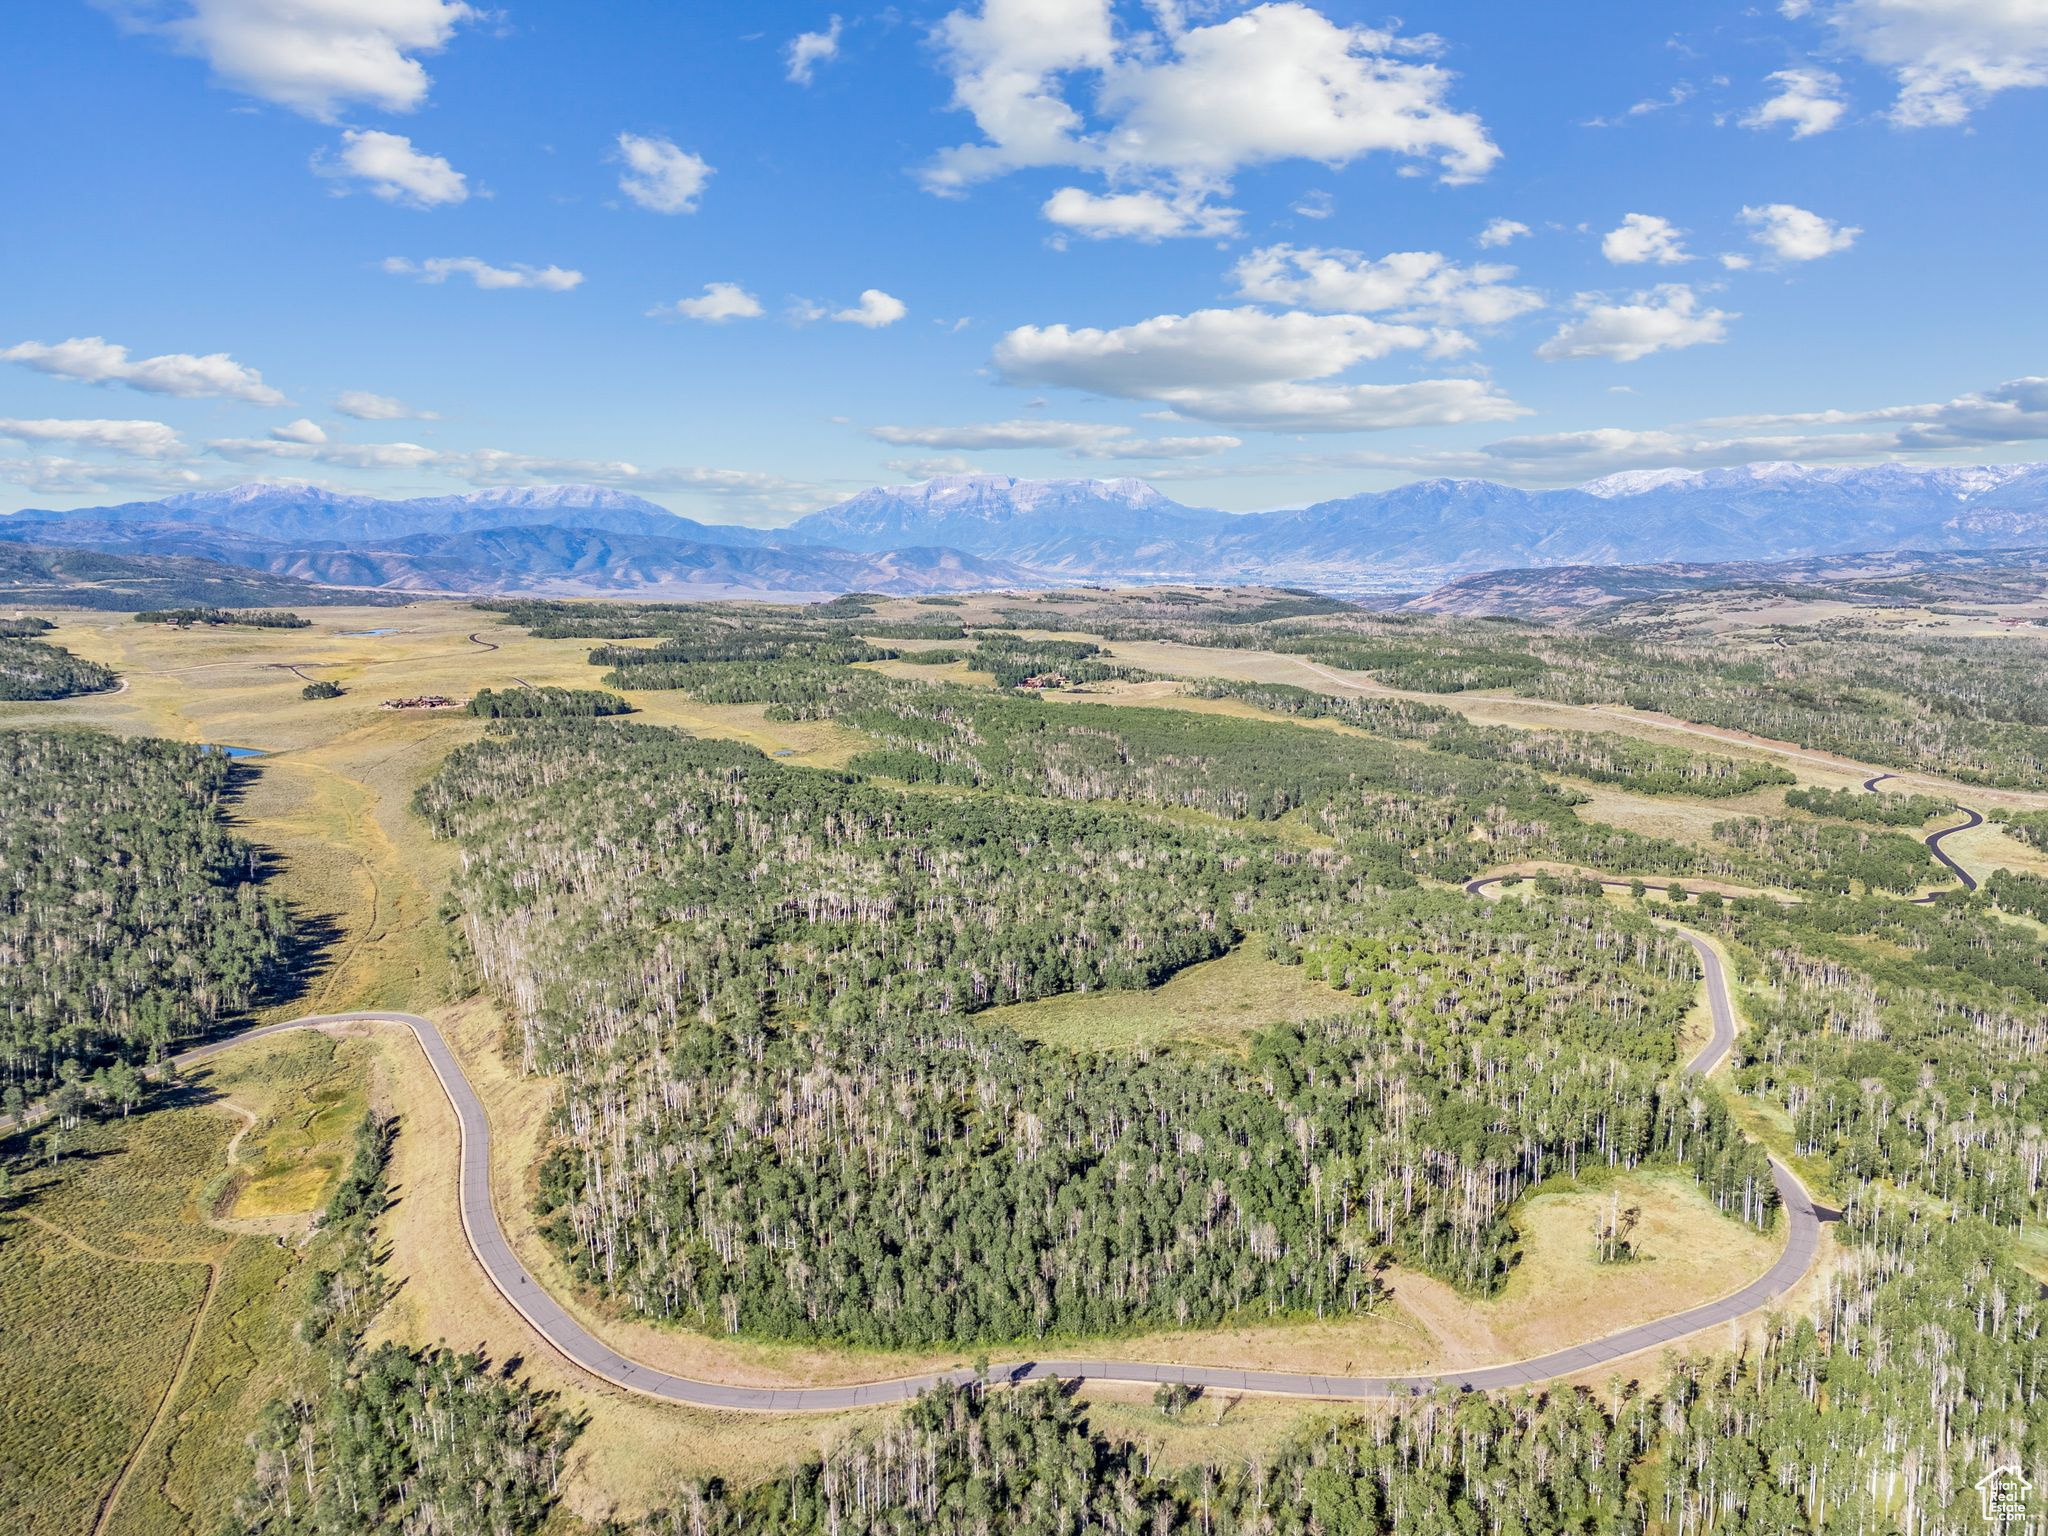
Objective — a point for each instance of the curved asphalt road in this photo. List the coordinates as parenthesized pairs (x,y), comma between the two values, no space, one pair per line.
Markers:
(580,1348)
(1721,1040)
(1933,840)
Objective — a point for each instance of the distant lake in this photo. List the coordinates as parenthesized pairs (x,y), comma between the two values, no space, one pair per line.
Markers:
(227,751)
(369,631)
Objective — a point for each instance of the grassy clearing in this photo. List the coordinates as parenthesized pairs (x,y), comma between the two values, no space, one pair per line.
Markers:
(1983,849)
(2030,1249)
(1556,1297)
(293,1153)
(1674,816)
(1219,1429)
(89,1346)
(1217,1005)
(101,1297)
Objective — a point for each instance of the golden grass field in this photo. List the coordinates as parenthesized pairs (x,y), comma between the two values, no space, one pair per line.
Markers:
(1216,1005)
(143,1331)
(331,799)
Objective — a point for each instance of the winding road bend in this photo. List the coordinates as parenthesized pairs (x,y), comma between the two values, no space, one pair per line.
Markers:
(580,1348)
(1934,840)
(575,1344)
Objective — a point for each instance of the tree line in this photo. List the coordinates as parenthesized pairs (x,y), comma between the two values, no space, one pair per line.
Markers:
(1600,757)
(1861,805)
(545,703)
(35,669)
(1967,708)
(247,618)
(1918,1370)
(130,916)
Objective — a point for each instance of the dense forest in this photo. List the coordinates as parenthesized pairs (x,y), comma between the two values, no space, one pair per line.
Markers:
(1820,857)
(777,1119)
(1861,805)
(130,917)
(544,703)
(35,669)
(1905,1044)
(1922,1368)
(2014,891)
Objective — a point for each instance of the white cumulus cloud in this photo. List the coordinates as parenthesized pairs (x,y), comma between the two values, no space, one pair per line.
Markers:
(875,310)
(1499,232)
(1207,348)
(1949,57)
(388,166)
(807,50)
(1138,215)
(718,302)
(438,269)
(1644,237)
(365,406)
(1179,110)
(1664,319)
(1810,101)
(1422,286)
(659,176)
(95,360)
(1247,367)
(313,56)
(1791,233)
(132,439)
(303,430)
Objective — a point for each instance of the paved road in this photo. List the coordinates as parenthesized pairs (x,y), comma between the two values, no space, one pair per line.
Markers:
(1934,840)
(1721,1039)
(577,1345)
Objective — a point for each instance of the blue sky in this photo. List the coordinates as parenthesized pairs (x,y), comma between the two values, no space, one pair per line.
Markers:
(748,259)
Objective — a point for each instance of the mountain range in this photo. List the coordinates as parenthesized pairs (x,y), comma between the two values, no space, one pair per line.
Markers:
(1896,578)
(981,532)
(563,541)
